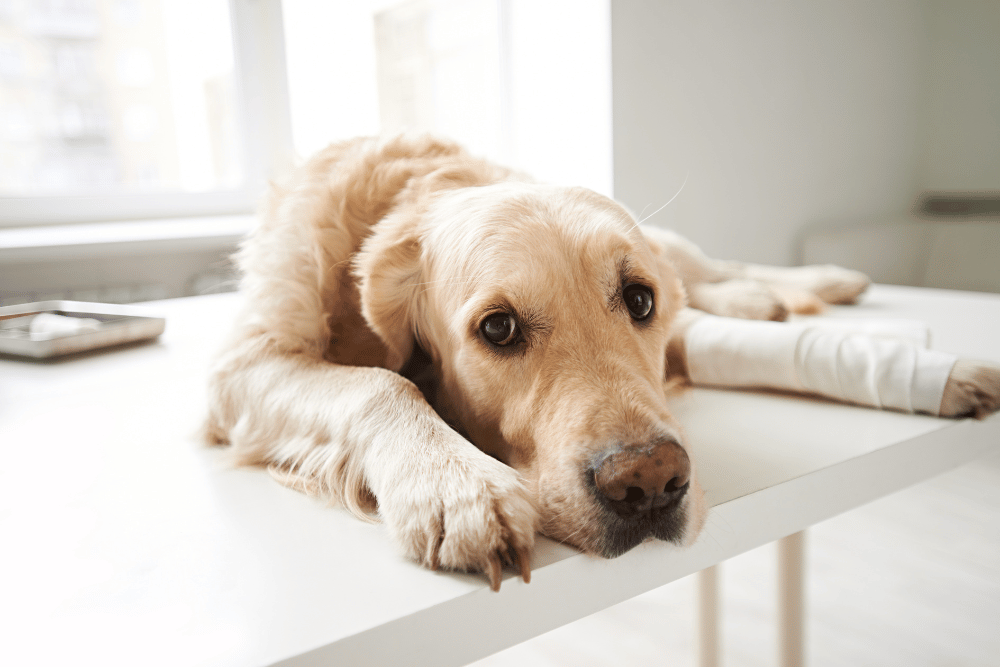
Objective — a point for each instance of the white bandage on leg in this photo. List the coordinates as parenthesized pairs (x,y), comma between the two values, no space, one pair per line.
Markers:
(911,331)
(850,367)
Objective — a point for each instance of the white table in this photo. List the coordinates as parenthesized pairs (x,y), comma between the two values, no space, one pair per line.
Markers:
(123,542)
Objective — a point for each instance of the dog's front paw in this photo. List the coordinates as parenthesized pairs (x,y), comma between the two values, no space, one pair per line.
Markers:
(973,389)
(470,514)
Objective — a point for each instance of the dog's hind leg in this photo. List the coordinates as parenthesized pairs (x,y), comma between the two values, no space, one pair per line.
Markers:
(753,291)
(846,366)
(832,284)
(973,390)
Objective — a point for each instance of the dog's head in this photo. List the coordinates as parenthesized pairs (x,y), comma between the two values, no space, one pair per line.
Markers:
(546,314)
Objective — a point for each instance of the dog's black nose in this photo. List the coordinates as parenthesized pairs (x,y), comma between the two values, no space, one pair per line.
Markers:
(638,479)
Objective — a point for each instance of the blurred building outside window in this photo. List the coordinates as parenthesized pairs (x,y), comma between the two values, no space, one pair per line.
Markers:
(116,96)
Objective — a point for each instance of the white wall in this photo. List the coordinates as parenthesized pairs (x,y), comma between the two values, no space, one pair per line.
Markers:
(961,108)
(560,91)
(781,114)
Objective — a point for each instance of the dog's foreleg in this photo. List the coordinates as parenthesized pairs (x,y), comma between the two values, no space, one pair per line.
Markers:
(361,436)
(834,363)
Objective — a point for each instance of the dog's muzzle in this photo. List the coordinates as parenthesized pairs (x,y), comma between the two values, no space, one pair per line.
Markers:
(641,490)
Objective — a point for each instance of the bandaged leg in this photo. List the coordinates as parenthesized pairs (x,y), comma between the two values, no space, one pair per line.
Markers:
(856,368)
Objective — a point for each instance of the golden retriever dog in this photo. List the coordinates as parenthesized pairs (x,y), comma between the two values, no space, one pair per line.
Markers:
(474,357)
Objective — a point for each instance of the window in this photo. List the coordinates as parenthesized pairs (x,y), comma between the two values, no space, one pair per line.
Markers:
(119,109)
(114,109)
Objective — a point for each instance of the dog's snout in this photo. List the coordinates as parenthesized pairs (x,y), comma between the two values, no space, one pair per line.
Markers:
(635,480)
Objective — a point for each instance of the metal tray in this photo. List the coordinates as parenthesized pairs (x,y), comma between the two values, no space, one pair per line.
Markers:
(110,325)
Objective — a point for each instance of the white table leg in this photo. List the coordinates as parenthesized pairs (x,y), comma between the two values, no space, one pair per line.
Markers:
(791,600)
(708,617)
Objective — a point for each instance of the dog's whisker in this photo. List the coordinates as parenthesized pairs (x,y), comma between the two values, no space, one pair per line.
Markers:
(714,539)
(341,262)
(442,280)
(572,537)
(643,210)
(642,220)
(711,526)
(716,520)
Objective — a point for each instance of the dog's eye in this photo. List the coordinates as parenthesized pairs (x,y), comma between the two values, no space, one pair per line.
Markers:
(499,329)
(639,301)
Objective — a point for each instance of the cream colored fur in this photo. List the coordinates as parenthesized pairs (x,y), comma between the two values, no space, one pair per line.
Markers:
(380,251)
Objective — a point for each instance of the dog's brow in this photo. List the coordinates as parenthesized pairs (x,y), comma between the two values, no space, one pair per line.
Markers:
(630,272)
(624,270)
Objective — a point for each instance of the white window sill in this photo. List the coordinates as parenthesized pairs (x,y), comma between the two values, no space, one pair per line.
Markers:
(39,244)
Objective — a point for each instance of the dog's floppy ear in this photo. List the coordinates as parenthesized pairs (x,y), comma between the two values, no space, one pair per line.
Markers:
(388,269)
